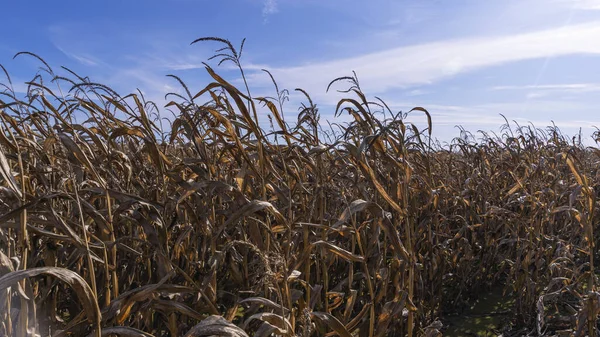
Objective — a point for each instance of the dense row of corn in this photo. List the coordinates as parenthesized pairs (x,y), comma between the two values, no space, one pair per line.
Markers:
(115,226)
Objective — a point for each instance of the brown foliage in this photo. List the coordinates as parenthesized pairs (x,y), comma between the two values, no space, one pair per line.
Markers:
(217,225)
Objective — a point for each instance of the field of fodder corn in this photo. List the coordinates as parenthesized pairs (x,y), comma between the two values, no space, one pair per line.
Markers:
(118,221)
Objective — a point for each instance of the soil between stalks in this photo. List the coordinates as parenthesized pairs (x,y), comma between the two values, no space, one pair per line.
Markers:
(488,316)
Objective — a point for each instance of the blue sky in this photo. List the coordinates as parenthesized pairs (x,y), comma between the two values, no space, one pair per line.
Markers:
(466,61)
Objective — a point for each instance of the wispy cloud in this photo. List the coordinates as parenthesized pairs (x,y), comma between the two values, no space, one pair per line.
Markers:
(584,4)
(417,92)
(487,116)
(18,86)
(571,86)
(83,59)
(542,90)
(269,8)
(427,63)
(537,94)
(421,63)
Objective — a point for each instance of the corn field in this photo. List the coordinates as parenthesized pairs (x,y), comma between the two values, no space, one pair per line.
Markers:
(216,222)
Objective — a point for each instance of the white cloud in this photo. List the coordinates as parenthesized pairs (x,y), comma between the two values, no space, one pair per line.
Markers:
(584,4)
(417,92)
(546,89)
(18,86)
(269,8)
(427,63)
(536,94)
(83,59)
(571,86)
(487,116)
